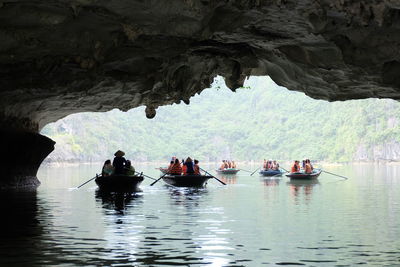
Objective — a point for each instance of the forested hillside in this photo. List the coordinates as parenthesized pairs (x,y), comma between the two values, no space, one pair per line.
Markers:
(259,121)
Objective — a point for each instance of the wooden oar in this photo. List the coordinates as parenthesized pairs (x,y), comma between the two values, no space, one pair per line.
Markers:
(87,181)
(336,175)
(213,176)
(140,173)
(245,170)
(283,169)
(158,179)
(255,171)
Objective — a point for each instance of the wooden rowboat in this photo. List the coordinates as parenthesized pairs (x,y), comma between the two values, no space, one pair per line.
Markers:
(228,171)
(186,180)
(119,183)
(305,176)
(271,172)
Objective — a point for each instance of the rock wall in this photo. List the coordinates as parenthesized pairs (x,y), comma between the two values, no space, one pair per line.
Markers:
(60,57)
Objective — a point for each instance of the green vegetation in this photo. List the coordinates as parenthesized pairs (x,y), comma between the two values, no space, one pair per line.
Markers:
(259,121)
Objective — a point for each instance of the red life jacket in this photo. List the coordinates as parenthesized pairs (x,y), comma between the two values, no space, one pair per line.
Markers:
(176,169)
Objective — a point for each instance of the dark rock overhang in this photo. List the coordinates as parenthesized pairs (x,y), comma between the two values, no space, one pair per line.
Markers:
(62,57)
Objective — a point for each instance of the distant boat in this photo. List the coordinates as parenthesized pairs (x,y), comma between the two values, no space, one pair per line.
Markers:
(119,183)
(228,171)
(271,172)
(186,180)
(305,176)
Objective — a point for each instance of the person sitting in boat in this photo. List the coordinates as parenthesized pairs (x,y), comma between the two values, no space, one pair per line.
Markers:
(307,168)
(187,167)
(296,166)
(275,165)
(119,162)
(129,169)
(222,165)
(107,169)
(269,165)
(226,165)
(170,165)
(233,165)
(176,168)
(309,162)
(229,164)
(196,167)
(265,164)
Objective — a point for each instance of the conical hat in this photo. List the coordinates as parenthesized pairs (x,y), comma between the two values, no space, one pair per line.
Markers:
(119,153)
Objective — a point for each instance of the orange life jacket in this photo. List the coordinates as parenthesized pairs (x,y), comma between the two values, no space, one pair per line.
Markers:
(308,168)
(184,169)
(176,169)
(295,168)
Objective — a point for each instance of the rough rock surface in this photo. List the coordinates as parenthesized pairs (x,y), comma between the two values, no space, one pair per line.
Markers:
(60,57)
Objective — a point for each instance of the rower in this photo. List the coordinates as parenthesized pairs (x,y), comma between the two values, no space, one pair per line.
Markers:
(308,168)
(187,167)
(196,167)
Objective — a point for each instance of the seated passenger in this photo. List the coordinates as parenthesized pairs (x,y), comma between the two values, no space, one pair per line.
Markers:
(269,164)
(309,162)
(308,167)
(107,169)
(170,165)
(295,166)
(196,167)
(275,165)
(226,165)
(265,164)
(176,168)
(233,165)
(188,168)
(229,164)
(129,169)
(222,165)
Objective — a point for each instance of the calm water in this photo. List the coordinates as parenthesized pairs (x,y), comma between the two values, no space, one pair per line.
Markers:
(250,222)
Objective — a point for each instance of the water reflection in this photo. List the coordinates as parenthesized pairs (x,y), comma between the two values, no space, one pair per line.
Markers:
(300,187)
(213,226)
(187,197)
(268,181)
(116,201)
(228,179)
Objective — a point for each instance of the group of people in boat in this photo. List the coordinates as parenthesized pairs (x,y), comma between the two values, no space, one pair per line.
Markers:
(119,166)
(270,165)
(187,167)
(227,164)
(306,166)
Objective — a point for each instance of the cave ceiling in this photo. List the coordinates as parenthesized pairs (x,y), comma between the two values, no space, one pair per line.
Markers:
(63,57)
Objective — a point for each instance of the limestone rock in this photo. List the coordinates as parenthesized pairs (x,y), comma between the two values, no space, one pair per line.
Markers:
(66,56)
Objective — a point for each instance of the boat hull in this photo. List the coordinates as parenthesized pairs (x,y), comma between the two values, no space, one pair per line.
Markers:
(227,171)
(304,176)
(270,173)
(186,180)
(119,183)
